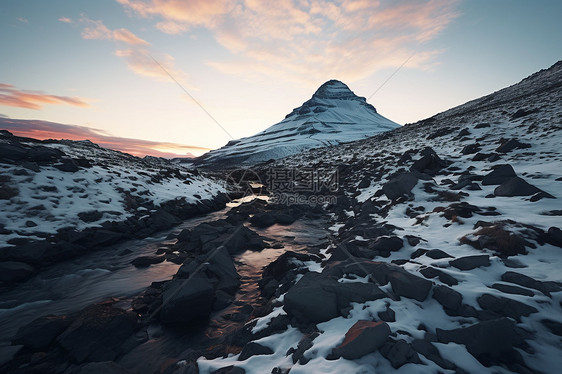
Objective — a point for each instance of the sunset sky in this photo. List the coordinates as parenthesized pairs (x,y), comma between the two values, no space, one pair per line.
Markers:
(80,69)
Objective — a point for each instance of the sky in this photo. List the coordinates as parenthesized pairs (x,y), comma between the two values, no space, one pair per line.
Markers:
(179,77)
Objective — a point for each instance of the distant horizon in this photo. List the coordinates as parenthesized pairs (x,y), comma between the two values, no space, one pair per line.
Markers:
(172,78)
(46,130)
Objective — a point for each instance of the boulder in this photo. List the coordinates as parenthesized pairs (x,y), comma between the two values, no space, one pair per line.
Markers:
(409,285)
(387,244)
(525,281)
(430,163)
(470,262)
(318,298)
(400,185)
(218,268)
(517,187)
(437,254)
(98,333)
(186,301)
(40,333)
(254,349)
(429,350)
(470,149)
(499,174)
(450,299)
(488,341)
(431,272)
(399,353)
(387,315)
(510,145)
(515,290)
(229,370)
(362,338)
(505,306)
(145,261)
(262,220)
(554,236)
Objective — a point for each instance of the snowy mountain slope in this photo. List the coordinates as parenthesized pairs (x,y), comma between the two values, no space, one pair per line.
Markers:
(481,248)
(49,187)
(332,116)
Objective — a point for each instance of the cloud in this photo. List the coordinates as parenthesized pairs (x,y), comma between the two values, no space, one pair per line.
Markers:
(23,20)
(65,20)
(141,61)
(11,96)
(95,29)
(51,130)
(135,51)
(309,40)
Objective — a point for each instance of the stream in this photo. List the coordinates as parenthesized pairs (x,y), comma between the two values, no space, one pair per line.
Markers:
(72,285)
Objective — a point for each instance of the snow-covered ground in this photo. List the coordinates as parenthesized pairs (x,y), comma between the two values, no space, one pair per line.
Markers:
(489,121)
(48,199)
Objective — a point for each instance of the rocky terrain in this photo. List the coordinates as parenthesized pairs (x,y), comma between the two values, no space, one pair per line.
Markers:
(439,254)
(60,199)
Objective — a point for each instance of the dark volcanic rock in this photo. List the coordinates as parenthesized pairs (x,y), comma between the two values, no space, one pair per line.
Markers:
(254,349)
(145,261)
(40,333)
(399,353)
(185,302)
(409,285)
(400,185)
(517,187)
(505,306)
(470,149)
(319,298)
(263,220)
(499,174)
(525,281)
(430,163)
(387,315)
(219,269)
(98,334)
(510,145)
(554,236)
(90,216)
(362,338)
(505,288)
(449,298)
(437,254)
(229,370)
(430,272)
(470,262)
(427,349)
(488,341)
(387,244)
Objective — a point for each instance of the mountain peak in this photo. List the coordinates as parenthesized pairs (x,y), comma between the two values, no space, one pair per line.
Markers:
(334,89)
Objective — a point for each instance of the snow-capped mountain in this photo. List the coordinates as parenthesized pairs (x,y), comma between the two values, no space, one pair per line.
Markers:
(332,116)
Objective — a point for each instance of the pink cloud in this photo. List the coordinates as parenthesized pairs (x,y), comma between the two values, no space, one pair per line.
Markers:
(51,130)
(309,40)
(136,53)
(65,20)
(95,29)
(11,96)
